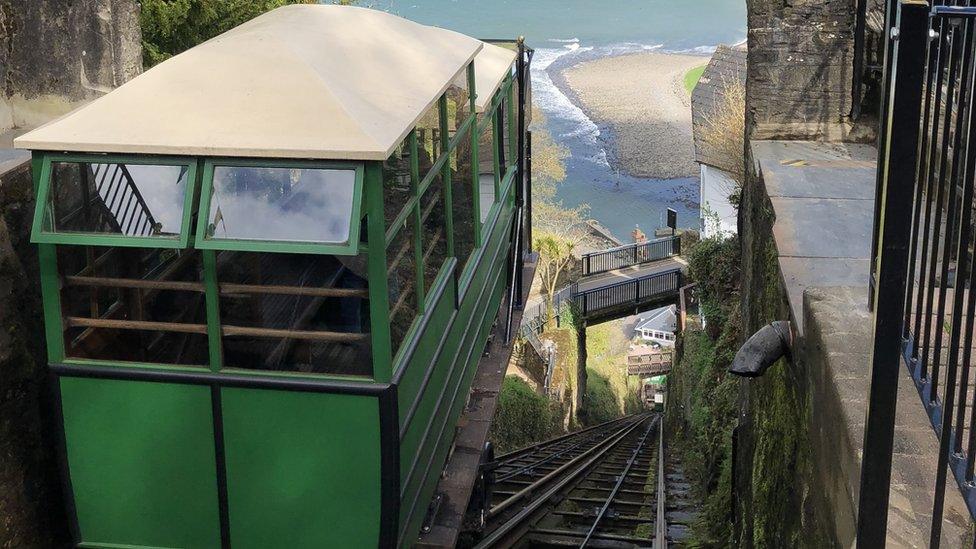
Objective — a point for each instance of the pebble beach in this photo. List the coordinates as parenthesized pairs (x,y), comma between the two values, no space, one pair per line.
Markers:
(641,98)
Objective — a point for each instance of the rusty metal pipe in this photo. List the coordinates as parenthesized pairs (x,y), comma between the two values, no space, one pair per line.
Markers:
(769,344)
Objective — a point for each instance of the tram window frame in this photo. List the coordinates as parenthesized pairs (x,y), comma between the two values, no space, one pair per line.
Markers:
(351,247)
(41,235)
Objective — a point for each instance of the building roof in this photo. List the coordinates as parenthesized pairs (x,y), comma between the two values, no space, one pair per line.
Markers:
(728,64)
(301,81)
(491,66)
(662,320)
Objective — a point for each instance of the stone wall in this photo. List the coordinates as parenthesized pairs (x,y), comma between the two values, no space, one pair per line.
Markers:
(31,505)
(58,54)
(778,498)
(800,69)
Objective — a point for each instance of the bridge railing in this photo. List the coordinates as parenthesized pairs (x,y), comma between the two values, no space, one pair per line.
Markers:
(636,292)
(630,255)
(654,364)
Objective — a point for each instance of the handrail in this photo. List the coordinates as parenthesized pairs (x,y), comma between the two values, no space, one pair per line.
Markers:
(122,199)
(634,291)
(629,255)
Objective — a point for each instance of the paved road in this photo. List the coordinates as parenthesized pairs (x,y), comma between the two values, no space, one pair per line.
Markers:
(630,273)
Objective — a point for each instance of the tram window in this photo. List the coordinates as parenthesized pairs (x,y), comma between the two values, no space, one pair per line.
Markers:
(458,102)
(462,200)
(282,204)
(402,281)
(397,188)
(137,200)
(434,233)
(486,168)
(506,129)
(428,138)
(133,305)
(294,312)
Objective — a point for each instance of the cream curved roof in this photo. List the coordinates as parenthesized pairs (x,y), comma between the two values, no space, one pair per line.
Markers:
(491,66)
(301,81)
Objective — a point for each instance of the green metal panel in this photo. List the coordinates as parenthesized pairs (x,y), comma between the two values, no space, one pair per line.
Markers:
(426,441)
(474,330)
(379,290)
(141,460)
(303,469)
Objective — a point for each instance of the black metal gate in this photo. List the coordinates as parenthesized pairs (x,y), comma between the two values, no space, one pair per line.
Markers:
(923,272)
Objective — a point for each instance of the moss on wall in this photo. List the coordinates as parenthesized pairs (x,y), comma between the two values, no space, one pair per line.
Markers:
(775,497)
(702,395)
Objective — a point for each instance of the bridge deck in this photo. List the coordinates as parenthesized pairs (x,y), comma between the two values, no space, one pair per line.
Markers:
(630,273)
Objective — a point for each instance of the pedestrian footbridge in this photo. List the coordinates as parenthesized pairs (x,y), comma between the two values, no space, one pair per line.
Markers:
(618,282)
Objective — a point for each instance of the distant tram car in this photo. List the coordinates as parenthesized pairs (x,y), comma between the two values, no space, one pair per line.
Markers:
(653,392)
(269,267)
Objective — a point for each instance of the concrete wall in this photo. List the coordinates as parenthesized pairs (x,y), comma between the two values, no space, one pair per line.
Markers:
(55,55)
(58,54)
(800,69)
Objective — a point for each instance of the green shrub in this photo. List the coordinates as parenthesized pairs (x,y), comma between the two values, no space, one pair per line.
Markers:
(601,401)
(523,417)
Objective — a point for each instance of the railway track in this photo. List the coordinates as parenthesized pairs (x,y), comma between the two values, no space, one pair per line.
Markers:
(593,488)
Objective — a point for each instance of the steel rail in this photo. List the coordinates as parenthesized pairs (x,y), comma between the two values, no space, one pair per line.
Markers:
(596,452)
(586,463)
(522,469)
(545,444)
(620,480)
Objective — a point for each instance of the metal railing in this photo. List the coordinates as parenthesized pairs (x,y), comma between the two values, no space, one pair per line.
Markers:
(630,255)
(924,274)
(117,193)
(635,292)
(651,363)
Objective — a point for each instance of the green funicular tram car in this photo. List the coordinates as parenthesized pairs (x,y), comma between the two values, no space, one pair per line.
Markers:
(270,266)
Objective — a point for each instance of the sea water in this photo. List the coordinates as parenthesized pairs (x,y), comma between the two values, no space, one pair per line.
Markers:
(564,32)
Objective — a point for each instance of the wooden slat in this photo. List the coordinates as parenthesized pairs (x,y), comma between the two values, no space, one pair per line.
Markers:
(105,282)
(226,289)
(294,334)
(202,329)
(136,325)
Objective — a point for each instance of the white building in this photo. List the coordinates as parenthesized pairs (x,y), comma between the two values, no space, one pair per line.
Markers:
(718,215)
(659,327)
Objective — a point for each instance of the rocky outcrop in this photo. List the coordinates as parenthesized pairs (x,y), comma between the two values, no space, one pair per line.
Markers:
(31,507)
(58,54)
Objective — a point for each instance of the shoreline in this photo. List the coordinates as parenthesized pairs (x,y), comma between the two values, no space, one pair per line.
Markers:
(639,102)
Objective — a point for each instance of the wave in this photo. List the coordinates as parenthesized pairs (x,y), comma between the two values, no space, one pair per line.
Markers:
(564,117)
(699,50)
(564,40)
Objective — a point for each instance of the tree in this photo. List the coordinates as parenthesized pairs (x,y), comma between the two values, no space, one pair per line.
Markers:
(548,170)
(724,129)
(170,27)
(555,254)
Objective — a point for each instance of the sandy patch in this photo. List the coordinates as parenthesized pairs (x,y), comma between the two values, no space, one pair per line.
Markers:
(642,98)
